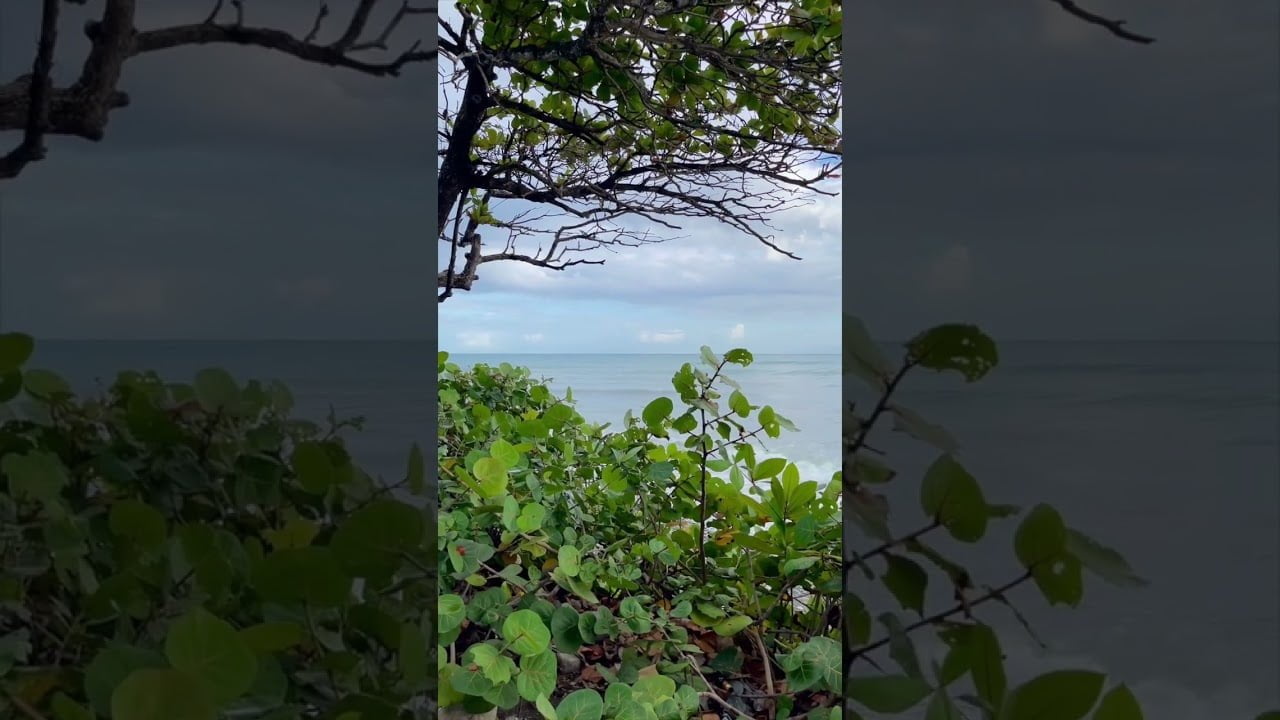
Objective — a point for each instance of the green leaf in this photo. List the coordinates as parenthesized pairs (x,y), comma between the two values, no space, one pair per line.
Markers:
(313,467)
(961,348)
(216,391)
(887,693)
(415,662)
(986,664)
(531,518)
(505,453)
(769,467)
(657,411)
(870,471)
(1102,561)
(311,574)
(901,648)
(733,625)
(272,637)
(564,629)
(907,581)
(1060,580)
(568,557)
(38,475)
(526,633)
(15,351)
(739,356)
(1058,695)
(45,385)
(909,422)
(417,473)
(208,648)
(110,667)
(537,676)
(950,494)
(798,564)
(492,475)
(581,705)
(372,542)
(161,695)
(1120,704)
(139,522)
(941,708)
(64,708)
(862,356)
(451,611)
(545,708)
(212,568)
(709,357)
(1040,537)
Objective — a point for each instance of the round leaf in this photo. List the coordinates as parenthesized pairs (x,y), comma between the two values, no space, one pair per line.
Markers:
(208,648)
(526,632)
(581,705)
(161,695)
(1058,695)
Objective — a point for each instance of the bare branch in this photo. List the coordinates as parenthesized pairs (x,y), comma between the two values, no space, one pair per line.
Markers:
(29,103)
(39,96)
(1115,27)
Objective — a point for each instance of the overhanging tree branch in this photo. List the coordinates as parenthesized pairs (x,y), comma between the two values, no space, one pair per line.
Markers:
(30,103)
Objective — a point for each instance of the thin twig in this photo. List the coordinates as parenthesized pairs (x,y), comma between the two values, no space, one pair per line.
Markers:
(1115,27)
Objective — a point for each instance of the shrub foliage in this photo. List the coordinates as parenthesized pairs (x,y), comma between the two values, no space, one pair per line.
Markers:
(190,552)
(656,571)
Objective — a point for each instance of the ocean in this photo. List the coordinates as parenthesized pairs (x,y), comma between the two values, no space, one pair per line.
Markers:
(1168,452)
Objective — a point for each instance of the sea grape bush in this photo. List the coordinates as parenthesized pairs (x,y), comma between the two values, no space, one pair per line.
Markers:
(662,571)
(1050,554)
(191,552)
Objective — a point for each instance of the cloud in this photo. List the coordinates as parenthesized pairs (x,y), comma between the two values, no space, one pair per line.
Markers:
(662,337)
(305,291)
(476,339)
(124,294)
(738,332)
(951,271)
(534,337)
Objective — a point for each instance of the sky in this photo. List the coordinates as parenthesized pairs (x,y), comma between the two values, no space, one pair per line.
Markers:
(1035,175)
(243,194)
(1016,169)
(708,285)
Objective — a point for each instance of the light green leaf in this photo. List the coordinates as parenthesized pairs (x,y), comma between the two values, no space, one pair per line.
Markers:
(1057,695)
(537,676)
(581,705)
(1120,704)
(569,559)
(373,540)
(526,633)
(733,625)
(962,348)
(887,693)
(1040,537)
(313,467)
(1101,560)
(207,647)
(161,695)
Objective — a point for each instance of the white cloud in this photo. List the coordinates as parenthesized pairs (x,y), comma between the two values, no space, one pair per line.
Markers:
(664,336)
(738,332)
(534,337)
(951,271)
(476,339)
